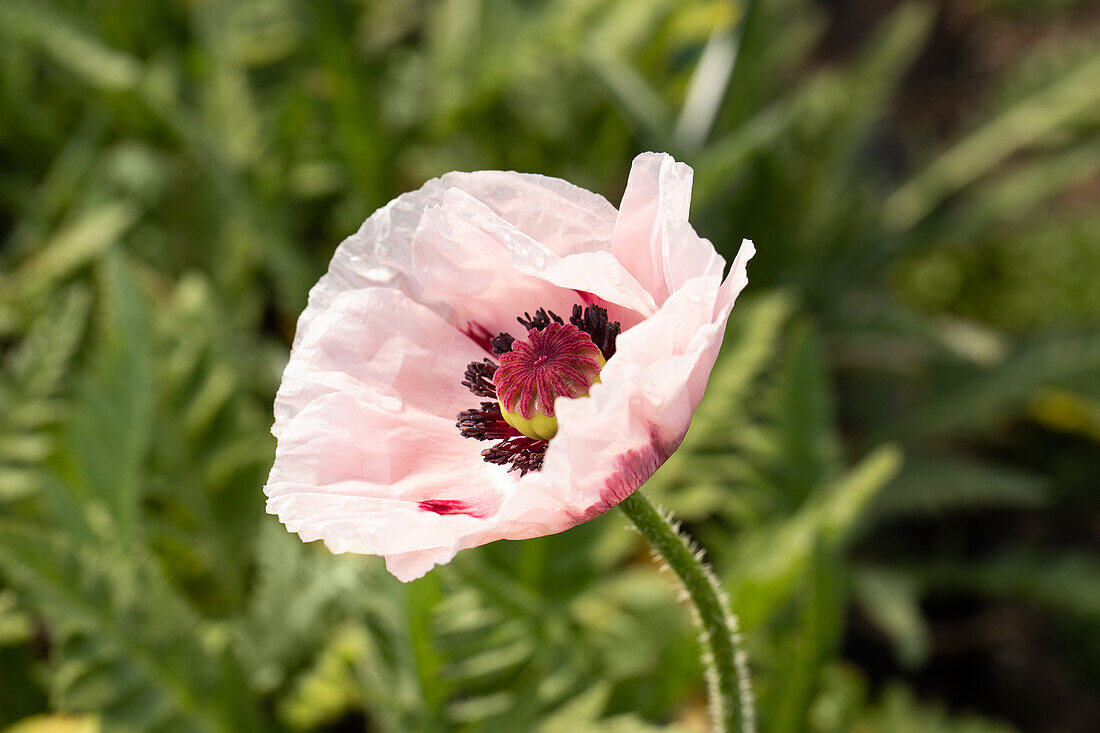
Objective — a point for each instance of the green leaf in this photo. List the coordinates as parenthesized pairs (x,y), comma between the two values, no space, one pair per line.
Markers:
(129,647)
(641,105)
(16,625)
(56,723)
(328,690)
(709,80)
(808,452)
(69,44)
(1068,582)
(1068,97)
(984,394)
(892,602)
(809,646)
(77,244)
(584,714)
(104,442)
(900,712)
(937,484)
(771,558)
(33,374)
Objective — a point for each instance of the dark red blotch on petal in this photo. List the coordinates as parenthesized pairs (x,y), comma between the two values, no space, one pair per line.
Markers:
(479,335)
(447,506)
(632,469)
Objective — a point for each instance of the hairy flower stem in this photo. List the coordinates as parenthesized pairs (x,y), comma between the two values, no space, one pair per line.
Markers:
(726,663)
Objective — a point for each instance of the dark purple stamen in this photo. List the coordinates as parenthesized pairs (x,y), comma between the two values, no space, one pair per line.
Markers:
(479,378)
(593,321)
(485,423)
(525,454)
(540,320)
(502,343)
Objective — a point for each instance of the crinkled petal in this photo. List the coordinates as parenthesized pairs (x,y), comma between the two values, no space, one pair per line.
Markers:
(593,270)
(462,264)
(612,442)
(352,473)
(652,238)
(566,220)
(365,421)
(380,346)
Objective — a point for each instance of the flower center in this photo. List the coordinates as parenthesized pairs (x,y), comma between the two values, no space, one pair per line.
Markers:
(560,360)
(554,360)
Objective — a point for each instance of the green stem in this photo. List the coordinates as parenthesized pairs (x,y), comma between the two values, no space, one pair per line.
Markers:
(726,663)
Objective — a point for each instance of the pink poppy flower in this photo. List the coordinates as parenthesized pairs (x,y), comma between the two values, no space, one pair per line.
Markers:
(444,306)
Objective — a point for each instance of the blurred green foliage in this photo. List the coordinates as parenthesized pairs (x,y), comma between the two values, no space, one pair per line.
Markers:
(919,347)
